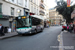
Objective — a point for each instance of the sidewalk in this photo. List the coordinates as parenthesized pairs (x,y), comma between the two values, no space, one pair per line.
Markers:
(68,40)
(7,35)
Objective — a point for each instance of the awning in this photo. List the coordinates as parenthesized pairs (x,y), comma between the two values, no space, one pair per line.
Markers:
(73,14)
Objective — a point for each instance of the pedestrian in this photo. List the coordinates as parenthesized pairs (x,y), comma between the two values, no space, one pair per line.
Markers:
(74,29)
(71,24)
(70,28)
(1,30)
(67,28)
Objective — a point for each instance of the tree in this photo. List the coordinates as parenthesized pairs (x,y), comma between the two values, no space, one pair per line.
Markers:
(64,10)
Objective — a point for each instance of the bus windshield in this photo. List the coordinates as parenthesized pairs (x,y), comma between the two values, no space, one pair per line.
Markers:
(22,22)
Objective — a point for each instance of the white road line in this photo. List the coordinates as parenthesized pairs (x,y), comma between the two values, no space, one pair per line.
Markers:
(61,47)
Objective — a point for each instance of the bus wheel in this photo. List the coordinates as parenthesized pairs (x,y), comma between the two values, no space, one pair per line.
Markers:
(41,29)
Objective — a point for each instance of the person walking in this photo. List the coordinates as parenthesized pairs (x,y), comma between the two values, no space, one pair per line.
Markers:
(67,27)
(70,28)
(74,29)
(1,30)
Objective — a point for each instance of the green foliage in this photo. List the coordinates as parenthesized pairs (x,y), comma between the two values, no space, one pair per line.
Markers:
(64,10)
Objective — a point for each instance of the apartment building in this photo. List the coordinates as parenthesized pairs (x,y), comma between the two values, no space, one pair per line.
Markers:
(10,9)
(55,17)
(42,8)
(46,10)
(34,7)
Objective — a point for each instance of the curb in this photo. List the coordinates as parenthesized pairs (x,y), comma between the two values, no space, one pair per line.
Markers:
(5,37)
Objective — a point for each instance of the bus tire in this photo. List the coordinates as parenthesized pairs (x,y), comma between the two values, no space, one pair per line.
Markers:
(41,29)
(62,29)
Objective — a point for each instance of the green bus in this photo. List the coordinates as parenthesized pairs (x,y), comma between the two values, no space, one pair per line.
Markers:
(29,25)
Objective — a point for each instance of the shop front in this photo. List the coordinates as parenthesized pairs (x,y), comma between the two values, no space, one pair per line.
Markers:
(4,20)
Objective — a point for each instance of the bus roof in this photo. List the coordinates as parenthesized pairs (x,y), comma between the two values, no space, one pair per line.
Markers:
(39,17)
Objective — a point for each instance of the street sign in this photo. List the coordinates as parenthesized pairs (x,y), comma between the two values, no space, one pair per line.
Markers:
(68,3)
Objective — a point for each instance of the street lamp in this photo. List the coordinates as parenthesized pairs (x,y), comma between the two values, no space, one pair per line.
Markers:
(18,11)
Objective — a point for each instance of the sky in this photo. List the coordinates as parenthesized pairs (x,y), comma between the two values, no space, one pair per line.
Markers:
(52,3)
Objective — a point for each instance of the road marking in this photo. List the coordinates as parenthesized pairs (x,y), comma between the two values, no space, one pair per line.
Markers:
(60,39)
(61,42)
(65,31)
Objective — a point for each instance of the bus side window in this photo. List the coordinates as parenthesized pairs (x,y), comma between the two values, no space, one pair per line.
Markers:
(29,22)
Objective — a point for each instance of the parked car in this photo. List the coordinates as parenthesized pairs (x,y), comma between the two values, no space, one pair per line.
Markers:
(64,27)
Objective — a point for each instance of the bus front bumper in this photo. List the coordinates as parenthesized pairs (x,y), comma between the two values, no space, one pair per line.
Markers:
(29,32)
(24,32)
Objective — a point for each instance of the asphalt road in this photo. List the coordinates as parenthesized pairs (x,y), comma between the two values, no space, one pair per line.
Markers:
(41,41)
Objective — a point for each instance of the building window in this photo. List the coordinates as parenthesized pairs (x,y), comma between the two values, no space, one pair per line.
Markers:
(20,2)
(0,8)
(37,11)
(25,3)
(42,0)
(31,8)
(35,1)
(12,11)
(34,10)
(31,0)
(12,0)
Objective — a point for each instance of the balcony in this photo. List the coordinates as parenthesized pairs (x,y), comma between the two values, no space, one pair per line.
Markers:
(42,12)
(42,6)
